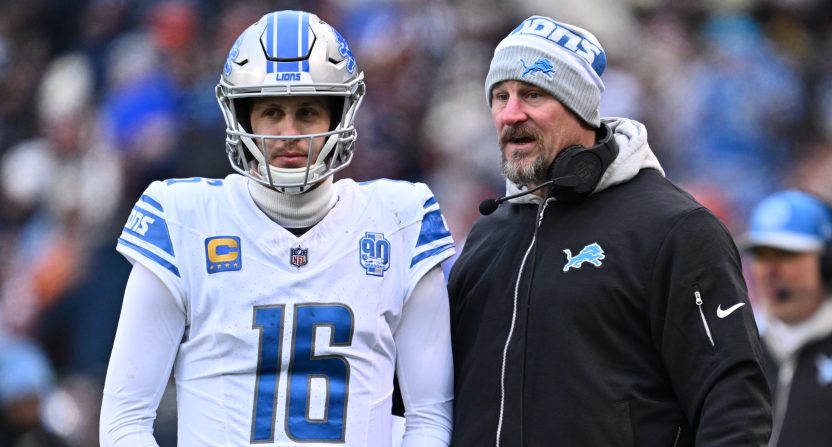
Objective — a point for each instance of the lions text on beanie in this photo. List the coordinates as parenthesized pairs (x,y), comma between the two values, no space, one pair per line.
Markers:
(564,60)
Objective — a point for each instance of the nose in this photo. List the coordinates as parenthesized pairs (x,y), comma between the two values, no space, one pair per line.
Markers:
(288,126)
(772,271)
(512,113)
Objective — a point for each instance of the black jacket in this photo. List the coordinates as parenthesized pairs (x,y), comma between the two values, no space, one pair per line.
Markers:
(803,395)
(618,354)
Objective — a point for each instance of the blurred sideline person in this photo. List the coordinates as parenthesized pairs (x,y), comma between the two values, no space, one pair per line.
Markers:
(602,305)
(283,301)
(789,237)
(26,382)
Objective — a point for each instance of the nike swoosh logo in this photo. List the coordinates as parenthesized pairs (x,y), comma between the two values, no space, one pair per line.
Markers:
(724,313)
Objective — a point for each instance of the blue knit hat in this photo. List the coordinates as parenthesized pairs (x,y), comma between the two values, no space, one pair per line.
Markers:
(562,59)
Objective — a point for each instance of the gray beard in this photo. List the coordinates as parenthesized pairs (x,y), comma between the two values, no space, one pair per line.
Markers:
(522,172)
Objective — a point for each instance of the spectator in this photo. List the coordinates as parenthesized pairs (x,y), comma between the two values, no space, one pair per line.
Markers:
(790,238)
(26,380)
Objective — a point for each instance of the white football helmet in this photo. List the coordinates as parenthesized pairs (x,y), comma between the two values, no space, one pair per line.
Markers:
(290,53)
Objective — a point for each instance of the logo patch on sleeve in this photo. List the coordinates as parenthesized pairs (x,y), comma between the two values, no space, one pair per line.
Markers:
(223,254)
(374,253)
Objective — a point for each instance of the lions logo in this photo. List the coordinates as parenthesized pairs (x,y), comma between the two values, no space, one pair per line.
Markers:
(541,65)
(592,253)
(824,364)
(344,51)
(232,56)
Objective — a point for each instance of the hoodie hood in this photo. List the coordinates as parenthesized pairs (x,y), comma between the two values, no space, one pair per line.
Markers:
(634,154)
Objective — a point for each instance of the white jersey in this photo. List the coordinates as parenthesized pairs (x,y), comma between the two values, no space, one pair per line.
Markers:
(289,339)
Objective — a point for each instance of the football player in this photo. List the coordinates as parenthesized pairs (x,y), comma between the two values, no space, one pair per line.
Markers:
(284,302)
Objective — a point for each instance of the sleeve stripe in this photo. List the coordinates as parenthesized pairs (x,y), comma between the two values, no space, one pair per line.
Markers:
(424,255)
(150,255)
(429,202)
(433,228)
(150,201)
(149,228)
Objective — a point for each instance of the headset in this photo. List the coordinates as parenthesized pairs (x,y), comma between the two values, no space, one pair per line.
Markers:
(585,164)
(574,173)
(825,260)
(826,266)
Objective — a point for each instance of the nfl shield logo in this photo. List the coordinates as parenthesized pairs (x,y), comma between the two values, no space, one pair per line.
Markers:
(298,256)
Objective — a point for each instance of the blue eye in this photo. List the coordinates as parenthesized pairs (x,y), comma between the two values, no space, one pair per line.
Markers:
(500,97)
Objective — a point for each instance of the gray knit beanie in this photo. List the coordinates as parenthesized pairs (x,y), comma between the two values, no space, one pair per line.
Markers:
(565,60)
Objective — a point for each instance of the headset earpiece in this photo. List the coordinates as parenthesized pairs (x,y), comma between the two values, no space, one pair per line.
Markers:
(585,164)
(826,252)
(826,266)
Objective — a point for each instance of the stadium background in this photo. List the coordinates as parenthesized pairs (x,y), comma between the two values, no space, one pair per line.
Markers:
(100,97)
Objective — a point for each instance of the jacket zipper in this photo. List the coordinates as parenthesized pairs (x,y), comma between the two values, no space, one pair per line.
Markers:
(541,210)
(785,377)
(678,434)
(698,297)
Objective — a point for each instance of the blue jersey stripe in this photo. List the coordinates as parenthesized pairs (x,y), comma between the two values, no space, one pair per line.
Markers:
(429,202)
(150,201)
(150,255)
(424,255)
(149,228)
(433,228)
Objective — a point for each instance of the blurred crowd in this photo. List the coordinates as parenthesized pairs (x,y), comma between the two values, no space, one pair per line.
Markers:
(100,97)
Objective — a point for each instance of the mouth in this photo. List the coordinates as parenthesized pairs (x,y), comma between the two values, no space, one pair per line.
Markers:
(289,160)
(519,138)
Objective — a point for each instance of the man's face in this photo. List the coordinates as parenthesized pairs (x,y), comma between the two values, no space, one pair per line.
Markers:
(287,116)
(789,282)
(533,127)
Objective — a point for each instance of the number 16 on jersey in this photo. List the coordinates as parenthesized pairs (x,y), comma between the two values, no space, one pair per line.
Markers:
(316,404)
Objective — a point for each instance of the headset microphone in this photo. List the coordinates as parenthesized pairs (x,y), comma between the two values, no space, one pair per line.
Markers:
(488,206)
(783,295)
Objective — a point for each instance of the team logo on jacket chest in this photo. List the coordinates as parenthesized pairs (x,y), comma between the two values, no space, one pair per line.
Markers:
(592,253)
(298,256)
(374,253)
(824,364)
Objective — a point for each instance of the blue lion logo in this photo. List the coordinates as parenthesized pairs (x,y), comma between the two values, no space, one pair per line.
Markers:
(541,65)
(592,253)
(344,51)
(232,55)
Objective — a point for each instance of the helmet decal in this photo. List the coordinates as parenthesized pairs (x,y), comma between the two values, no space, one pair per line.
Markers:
(287,41)
(344,51)
(232,55)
